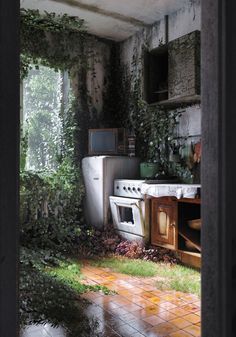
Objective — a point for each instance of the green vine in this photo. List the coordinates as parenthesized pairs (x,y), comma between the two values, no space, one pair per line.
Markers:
(51,211)
(51,40)
(153,125)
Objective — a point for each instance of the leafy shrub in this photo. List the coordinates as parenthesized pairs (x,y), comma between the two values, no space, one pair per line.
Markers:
(93,242)
(50,208)
(135,250)
(44,299)
(49,293)
(131,249)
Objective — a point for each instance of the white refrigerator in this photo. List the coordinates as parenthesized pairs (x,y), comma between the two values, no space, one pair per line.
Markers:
(99,173)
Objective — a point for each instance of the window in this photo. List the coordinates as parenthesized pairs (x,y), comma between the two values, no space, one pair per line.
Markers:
(44,92)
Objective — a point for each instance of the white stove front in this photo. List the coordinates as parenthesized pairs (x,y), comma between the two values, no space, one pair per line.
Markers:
(128,216)
(128,188)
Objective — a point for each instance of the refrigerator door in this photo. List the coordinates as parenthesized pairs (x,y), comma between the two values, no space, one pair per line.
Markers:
(92,168)
(99,173)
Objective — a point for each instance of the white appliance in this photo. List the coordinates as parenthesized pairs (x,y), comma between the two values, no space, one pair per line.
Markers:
(128,210)
(99,173)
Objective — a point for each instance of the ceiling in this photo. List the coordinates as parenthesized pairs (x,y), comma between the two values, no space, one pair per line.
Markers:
(111,19)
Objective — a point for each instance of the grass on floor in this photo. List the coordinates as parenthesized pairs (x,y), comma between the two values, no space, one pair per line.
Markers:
(128,266)
(170,277)
(70,274)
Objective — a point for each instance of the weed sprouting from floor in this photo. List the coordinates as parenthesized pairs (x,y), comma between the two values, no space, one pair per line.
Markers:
(128,266)
(70,274)
(179,278)
(168,276)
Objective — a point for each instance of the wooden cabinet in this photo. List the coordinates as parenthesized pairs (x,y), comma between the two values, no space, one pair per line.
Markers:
(170,227)
(164,221)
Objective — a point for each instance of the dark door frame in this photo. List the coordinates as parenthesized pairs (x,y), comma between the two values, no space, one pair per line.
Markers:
(9,163)
(218,168)
(218,178)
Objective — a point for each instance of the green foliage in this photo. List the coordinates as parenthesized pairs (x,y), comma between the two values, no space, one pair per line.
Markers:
(132,267)
(47,299)
(63,52)
(179,278)
(23,148)
(50,208)
(154,125)
(42,104)
(170,276)
(51,22)
(69,273)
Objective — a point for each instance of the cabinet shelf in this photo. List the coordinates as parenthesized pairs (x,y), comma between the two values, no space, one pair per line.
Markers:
(191,235)
(169,227)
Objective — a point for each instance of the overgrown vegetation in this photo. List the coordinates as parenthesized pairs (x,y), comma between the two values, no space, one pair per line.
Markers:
(170,276)
(128,266)
(69,273)
(50,205)
(47,298)
(43,105)
(179,278)
(63,52)
(154,125)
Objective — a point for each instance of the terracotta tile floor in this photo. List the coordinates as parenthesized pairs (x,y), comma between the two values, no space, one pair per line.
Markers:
(137,310)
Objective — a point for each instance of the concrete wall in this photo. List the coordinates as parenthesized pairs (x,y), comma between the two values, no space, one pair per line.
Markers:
(182,22)
(97,74)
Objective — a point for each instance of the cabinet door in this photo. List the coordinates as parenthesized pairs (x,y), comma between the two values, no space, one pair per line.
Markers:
(164,222)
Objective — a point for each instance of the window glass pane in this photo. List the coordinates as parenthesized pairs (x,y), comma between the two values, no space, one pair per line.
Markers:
(42,104)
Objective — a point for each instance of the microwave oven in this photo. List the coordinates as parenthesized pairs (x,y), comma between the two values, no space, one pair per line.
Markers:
(110,141)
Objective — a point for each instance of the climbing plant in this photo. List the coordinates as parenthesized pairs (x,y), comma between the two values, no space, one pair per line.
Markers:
(154,125)
(51,211)
(52,40)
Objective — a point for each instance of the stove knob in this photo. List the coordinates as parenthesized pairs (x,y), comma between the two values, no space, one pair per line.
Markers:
(129,189)
(134,189)
(124,188)
(117,187)
(139,189)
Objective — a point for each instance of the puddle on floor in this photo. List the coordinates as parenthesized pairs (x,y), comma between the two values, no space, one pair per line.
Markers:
(43,330)
(137,309)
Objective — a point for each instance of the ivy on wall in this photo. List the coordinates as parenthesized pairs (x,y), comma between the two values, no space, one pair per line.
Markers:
(154,125)
(51,40)
(51,210)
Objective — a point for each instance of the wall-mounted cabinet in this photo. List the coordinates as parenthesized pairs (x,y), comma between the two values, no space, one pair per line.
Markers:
(156,75)
(172,71)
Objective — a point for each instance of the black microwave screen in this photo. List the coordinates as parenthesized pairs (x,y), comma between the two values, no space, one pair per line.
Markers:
(103,141)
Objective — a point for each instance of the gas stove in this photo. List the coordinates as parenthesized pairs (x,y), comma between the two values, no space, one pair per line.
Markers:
(136,189)
(128,188)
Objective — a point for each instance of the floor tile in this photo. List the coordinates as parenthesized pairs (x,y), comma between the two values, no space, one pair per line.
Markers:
(193,330)
(138,309)
(192,318)
(180,322)
(153,320)
(163,329)
(179,312)
(126,330)
(166,315)
(180,333)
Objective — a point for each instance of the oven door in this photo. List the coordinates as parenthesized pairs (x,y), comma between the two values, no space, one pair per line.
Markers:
(128,216)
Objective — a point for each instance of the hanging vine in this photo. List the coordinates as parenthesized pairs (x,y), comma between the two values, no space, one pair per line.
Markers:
(154,125)
(51,40)
(51,202)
